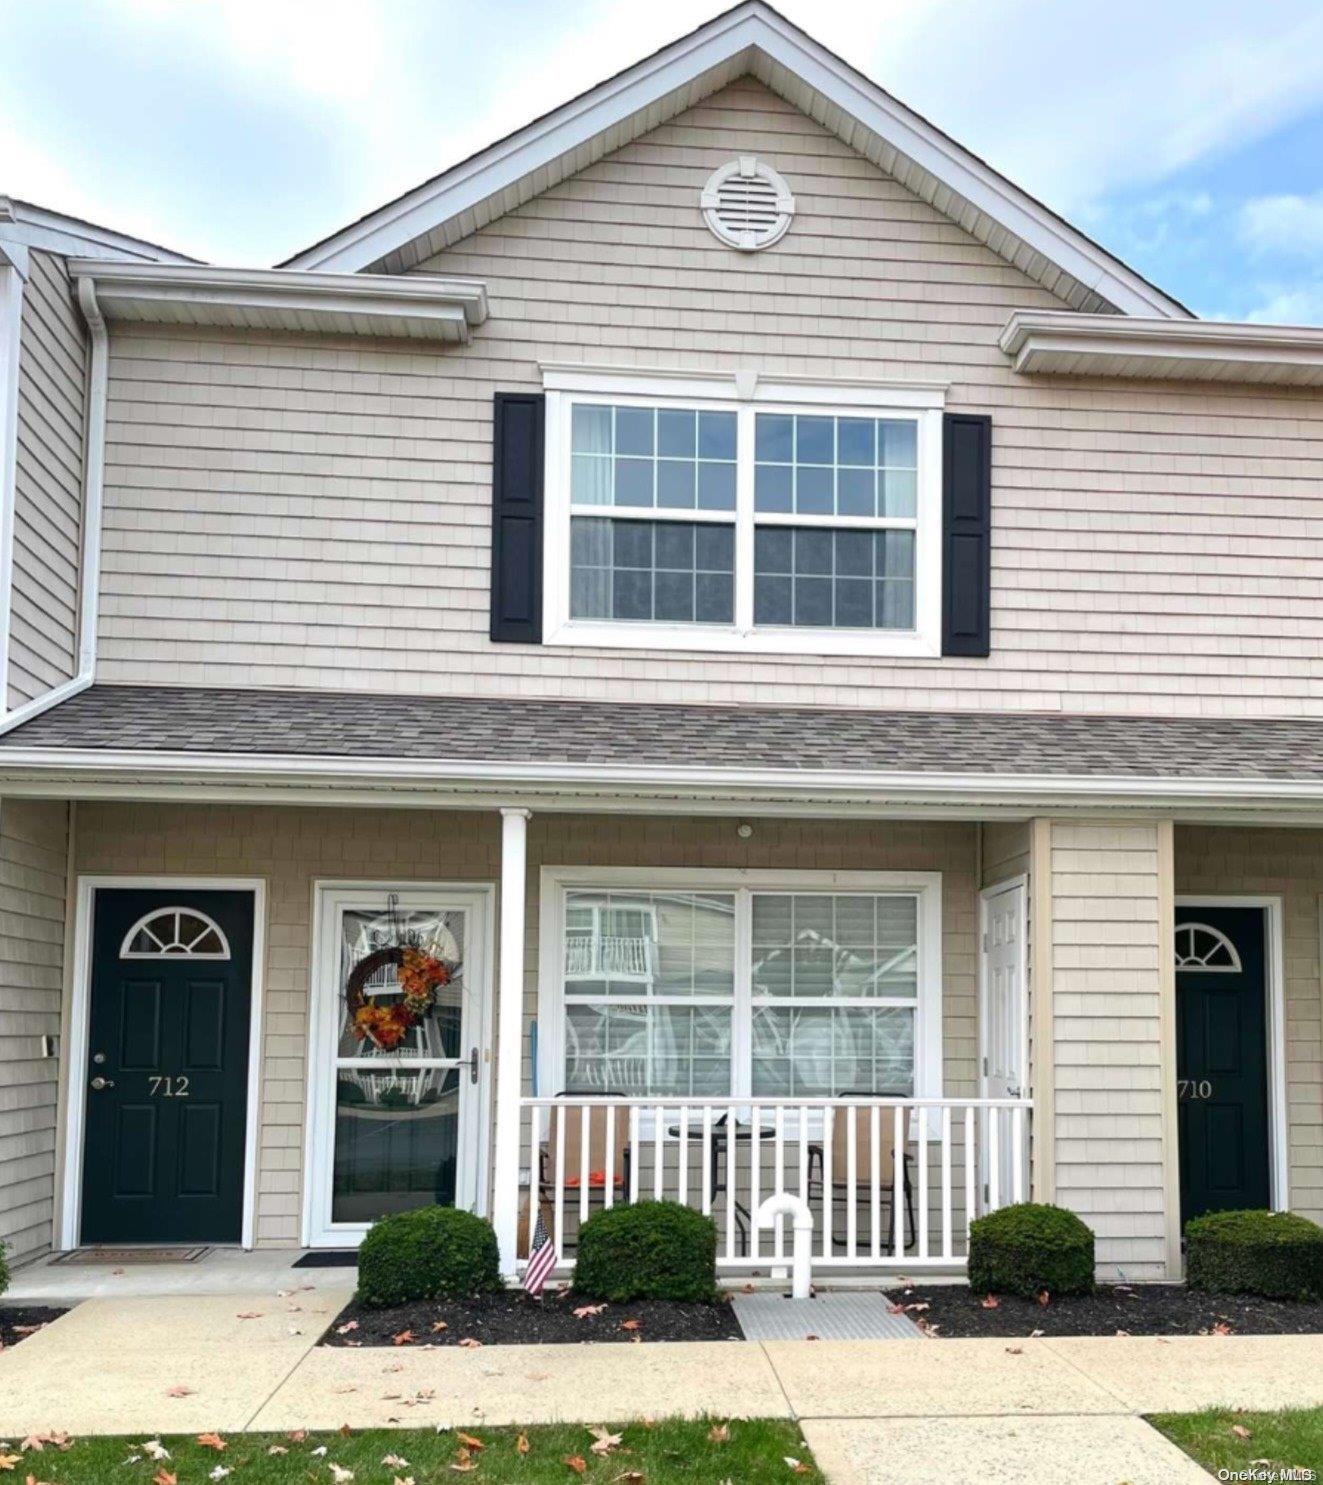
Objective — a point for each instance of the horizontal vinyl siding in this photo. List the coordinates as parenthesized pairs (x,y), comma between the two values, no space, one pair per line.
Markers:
(1106,1002)
(1286,864)
(48,483)
(314,513)
(33,866)
(292,848)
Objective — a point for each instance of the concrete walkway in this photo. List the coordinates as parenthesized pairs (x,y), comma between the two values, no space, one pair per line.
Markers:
(874,1412)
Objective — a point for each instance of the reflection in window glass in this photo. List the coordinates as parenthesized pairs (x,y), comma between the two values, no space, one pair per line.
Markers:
(649,985)
(678,572)
(672,458)
(813,576)
(813,465)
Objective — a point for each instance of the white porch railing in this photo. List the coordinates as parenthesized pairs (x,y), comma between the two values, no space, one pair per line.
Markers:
(590,956)
(892,1182)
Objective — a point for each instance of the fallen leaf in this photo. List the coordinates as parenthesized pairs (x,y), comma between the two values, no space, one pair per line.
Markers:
(1221,1328)
(1122,1332)
(34,1443)
(584,1311)
(1015,1350)
(164,1477)
(797,1466)
(218,1473)
(464,1462)
(438,1326)
(1033,1333)
(576,1462)
(521,1444)
(748,1289)
(629,1477)
(402,1480)
(155,1449)
(991,1302)
(537,1376)
(180,1391)
(348,1387)
(1043,1298)
(211,1441)
(297,1435)
(345,1431)
(277,1449)
(604,1440)
(469,1441)
(346,1327)
(8,1461)
(318,1452)
(719,1433)
(917,1309)
(895,1309)
(394,1462)
(403,1338)
(469,1343)
(339,1473)
(812,1338)
(32,1480)
(249,1315)
(1240,1431)
(631,1325)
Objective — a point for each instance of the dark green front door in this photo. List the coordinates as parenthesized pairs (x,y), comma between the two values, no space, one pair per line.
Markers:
(167,1072)
(1221,1058)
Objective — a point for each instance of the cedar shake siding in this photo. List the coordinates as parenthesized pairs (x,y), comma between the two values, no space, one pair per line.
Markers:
(33,881)
(52,374)
(282,511)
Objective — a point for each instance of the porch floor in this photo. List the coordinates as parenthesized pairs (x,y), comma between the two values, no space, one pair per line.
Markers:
(221,1271)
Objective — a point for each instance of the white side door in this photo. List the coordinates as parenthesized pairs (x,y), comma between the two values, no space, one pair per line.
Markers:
(1003,1035)
(391,1128)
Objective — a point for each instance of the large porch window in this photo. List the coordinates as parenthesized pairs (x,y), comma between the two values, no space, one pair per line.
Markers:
(693,984)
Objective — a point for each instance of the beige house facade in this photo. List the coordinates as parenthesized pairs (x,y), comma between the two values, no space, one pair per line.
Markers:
(816,660)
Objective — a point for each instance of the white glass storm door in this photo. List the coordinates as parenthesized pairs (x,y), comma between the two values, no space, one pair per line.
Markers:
(392,1127)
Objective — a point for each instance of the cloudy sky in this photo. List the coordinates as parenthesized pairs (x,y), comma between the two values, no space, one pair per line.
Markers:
(1186,135)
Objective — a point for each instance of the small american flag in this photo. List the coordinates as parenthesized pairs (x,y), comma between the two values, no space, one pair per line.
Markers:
(541,1259)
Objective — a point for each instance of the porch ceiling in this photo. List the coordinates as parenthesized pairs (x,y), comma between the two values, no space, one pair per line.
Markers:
(686,753)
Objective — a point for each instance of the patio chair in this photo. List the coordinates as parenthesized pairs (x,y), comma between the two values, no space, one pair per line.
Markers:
(863,1170)
(599,1177)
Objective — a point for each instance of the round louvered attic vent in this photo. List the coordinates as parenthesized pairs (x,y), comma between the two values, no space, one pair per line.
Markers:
(747,204)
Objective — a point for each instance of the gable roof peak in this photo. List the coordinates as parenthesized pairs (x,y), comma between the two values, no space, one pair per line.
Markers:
(750,38)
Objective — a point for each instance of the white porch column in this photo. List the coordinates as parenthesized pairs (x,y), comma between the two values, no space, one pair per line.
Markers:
(510,1034)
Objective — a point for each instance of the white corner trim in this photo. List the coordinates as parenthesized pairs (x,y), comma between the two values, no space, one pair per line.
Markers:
(11,330)
(418,306)
(749,32)
(75,1114)
(1274,964)
(1059,342)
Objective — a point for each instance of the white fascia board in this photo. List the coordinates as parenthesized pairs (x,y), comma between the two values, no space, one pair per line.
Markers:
(53,232)
(1034,338)
(620,781)
(752,27)
(139,292)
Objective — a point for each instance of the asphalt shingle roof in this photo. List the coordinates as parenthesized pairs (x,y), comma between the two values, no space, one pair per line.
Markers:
(495,730)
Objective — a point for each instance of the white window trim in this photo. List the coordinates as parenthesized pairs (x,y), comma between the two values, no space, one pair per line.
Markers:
(558,881)
(745,394)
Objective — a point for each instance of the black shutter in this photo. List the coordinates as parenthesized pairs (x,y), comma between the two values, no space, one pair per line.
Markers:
(517,517)
(966,534)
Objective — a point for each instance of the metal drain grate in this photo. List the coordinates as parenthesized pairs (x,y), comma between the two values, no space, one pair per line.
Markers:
(830,1317)
(121,1257)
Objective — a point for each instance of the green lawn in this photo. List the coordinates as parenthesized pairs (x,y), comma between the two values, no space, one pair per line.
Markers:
(1292,1439)
(698,1453)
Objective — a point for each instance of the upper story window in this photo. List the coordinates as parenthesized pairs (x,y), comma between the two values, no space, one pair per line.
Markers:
(796,519)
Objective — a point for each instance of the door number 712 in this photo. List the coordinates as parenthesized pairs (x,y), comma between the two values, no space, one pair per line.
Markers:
(167,1087)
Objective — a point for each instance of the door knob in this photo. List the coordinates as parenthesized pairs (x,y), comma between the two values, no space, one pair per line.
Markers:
(99,1083)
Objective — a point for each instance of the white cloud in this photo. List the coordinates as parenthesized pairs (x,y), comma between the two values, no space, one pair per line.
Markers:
(1302,305)
(1283,224)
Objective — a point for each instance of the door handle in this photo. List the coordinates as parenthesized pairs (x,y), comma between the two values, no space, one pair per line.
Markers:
(473,1065)
(98,1083)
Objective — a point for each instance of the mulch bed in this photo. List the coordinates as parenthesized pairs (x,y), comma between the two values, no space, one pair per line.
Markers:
(17,1322)
(513,1318)
(1140,1309)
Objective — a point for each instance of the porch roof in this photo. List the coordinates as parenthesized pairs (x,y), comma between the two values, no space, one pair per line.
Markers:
(303,725)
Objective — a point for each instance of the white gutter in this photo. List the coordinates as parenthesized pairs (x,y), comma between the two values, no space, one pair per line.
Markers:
(94,465)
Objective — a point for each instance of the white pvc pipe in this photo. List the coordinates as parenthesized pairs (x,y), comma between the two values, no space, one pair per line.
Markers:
(786,1204)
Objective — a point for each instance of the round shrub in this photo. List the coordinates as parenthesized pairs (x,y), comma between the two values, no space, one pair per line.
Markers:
(428,1253)
(652,1250)
(1029,1247)
(1274,1254)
